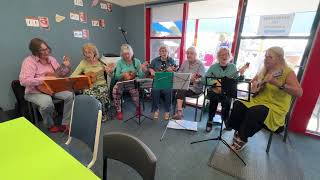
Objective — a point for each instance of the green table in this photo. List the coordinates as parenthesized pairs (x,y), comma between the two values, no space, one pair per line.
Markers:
(27,153)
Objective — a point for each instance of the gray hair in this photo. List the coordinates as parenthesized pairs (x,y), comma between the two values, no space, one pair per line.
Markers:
(91,47)
(164,47)
(193,49)
(126,48)
(224,49)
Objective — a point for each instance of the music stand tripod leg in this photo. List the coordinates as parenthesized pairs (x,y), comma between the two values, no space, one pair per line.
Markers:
(219,138)
(138,116)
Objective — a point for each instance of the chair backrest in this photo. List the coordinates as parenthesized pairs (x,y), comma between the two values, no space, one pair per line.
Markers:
(131,151)
(22,104)
(85,124)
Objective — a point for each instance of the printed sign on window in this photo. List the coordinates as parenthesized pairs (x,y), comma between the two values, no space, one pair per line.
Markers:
(275,25)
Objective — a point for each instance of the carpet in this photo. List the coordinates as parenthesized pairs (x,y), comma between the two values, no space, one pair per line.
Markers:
(281,162)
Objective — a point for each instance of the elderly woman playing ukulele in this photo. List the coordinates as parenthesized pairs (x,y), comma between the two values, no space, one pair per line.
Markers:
(34,70)
(163,63)
(92,66)
(127,68)
(276,84)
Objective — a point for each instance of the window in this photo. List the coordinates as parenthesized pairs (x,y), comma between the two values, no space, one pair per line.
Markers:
(287,25)
(209,29)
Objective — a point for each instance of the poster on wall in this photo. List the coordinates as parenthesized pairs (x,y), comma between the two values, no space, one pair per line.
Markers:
(77,34)
(82,17)
(106,6)
(102,23)
(74,16)
(85,34)
(44,22)
(32,21)
(275,25)
(78,2)
(95,23)
(109,7)
(59,18)
(94,3)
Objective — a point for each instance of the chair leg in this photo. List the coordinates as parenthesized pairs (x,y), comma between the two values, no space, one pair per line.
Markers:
(203,107)
(30,111)
(269,142)
(196,110)
(143,96)
(285,135)
(104,175)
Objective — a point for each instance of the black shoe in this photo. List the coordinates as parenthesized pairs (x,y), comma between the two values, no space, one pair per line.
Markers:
(209,126)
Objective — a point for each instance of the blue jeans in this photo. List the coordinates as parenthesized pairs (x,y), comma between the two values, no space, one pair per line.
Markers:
(155,93)
(46,107)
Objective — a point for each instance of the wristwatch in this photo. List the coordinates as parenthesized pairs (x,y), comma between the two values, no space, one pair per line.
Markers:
(282,86)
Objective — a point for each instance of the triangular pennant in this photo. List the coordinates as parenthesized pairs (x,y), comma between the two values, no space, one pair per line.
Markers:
(59,18)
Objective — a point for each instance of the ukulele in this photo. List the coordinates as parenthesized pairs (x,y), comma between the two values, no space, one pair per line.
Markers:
(259,86)
(217,83)
(92,76)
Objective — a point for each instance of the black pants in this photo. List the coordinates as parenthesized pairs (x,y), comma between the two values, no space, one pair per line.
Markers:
(247,121)
(182,94)
(214,101)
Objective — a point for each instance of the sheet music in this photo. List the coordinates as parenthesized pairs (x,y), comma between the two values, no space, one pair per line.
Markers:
(109,60)
(145,82)
(126,84)
(183,124)
(181,80)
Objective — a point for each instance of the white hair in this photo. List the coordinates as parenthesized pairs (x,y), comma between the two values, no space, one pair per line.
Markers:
(224,49)
(126,48)
(193,49)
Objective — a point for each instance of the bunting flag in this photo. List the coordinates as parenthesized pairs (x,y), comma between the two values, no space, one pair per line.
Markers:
(59,18)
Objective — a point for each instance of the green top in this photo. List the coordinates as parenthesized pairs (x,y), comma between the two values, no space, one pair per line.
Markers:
(27,153)
(277,100)
(216,71)
(123,66)
(85,67)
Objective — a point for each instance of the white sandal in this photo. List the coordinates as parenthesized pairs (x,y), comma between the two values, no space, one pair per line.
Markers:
(238,144)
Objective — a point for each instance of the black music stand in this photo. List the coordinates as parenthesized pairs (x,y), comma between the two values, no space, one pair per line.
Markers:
(140,84)
(229,89)
(179,81)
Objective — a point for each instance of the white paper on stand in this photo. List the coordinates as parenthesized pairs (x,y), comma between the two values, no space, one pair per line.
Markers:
(183,124)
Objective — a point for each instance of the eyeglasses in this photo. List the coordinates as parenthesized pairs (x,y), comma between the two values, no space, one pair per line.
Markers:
(268,57)
(44,50)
